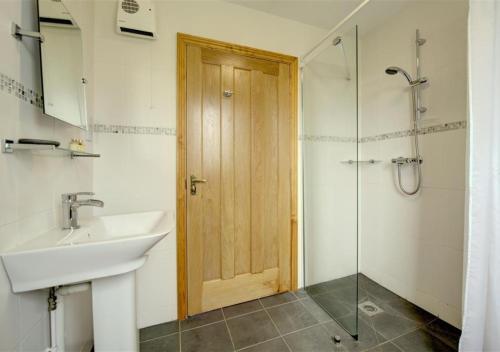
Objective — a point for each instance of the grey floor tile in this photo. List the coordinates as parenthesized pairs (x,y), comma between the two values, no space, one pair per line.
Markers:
(334,306)
(376,290)
(300,294)
(349,323)
(314,339)
(410,311)
(337,284)
(343,282)
(291,317)
(317,289)
(276,345)
(252,328)
(445,332)
(152,332)
(202,319)
(210,338)
(243,308)
(392,325)
(362,295)
(421,341)
(278,299)
(386,347)
(317,312)
(362,278)
(168,343)
(347,294)
(367,336)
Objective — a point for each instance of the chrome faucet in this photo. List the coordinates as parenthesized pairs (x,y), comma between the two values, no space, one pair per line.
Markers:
(70,205)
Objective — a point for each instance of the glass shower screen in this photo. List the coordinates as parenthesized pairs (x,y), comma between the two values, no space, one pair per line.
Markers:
(330,178)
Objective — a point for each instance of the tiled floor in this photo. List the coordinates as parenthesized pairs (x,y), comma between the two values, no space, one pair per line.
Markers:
(294,322)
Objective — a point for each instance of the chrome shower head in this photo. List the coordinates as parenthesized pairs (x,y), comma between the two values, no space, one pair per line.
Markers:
(392,70)
(336,42)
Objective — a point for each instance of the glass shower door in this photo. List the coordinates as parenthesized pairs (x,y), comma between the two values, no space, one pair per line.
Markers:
(330,178)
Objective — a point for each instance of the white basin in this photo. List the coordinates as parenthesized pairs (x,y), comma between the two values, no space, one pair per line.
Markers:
(105,251)
(101,247)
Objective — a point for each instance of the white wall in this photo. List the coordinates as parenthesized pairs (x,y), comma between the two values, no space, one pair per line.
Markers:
(413,245)
(31,185)
(136,86)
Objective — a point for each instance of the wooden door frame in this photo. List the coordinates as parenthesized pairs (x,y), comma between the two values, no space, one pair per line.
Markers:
(182,41)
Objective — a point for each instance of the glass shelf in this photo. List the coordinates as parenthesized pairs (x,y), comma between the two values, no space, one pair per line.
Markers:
(10,147)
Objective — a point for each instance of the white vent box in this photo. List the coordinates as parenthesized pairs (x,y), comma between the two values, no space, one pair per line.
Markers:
(136,18)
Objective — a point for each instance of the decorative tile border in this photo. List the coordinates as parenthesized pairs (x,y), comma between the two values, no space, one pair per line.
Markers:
(319,138)
(122,129)
(450,126)
(167,131)
(17,89)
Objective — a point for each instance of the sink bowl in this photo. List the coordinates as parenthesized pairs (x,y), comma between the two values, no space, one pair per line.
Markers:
(105,251)
(102,246)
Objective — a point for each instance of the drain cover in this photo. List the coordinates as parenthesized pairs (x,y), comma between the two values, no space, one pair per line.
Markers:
(369,308)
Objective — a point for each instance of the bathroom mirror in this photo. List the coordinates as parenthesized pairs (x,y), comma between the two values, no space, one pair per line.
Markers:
(61,55)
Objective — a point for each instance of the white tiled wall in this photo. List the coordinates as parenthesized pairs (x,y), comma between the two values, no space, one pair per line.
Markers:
(31,185)
(136,85)
(413,245)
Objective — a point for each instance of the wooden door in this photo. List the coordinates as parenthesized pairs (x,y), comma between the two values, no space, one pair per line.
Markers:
(238,139)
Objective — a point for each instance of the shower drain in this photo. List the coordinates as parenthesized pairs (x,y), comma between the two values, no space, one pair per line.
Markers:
(369,308)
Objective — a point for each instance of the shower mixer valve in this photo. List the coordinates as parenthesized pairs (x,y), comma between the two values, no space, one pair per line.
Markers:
(402,161)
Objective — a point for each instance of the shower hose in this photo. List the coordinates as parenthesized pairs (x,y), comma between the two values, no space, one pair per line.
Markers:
(417,151)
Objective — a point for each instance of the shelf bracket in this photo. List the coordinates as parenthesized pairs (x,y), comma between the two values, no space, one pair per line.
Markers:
(18,33)
(7,146)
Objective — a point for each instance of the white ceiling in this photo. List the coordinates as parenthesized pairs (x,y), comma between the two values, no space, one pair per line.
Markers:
(323,14)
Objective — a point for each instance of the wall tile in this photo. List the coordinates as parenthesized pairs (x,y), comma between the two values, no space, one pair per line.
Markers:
(9,317)
(32,309)
(37,337)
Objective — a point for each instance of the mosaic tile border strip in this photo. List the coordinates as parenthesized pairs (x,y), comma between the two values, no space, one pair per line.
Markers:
(168,131)
(123,129)
(319,138)
(17,89)
(450,126)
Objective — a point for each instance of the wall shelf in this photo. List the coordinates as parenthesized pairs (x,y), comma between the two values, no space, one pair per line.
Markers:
(8,146)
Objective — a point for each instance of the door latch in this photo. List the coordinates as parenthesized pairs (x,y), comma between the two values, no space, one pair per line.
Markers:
(194,181)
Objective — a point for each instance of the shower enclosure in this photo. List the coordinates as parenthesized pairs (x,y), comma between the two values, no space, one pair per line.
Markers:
(330,177)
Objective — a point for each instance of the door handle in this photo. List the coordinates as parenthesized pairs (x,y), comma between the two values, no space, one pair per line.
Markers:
(194,181)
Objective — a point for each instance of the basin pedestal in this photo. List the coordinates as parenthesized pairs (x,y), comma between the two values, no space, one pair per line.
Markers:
(114,313)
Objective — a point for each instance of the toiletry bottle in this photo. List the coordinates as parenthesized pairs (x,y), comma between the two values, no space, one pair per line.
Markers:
(73,145)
